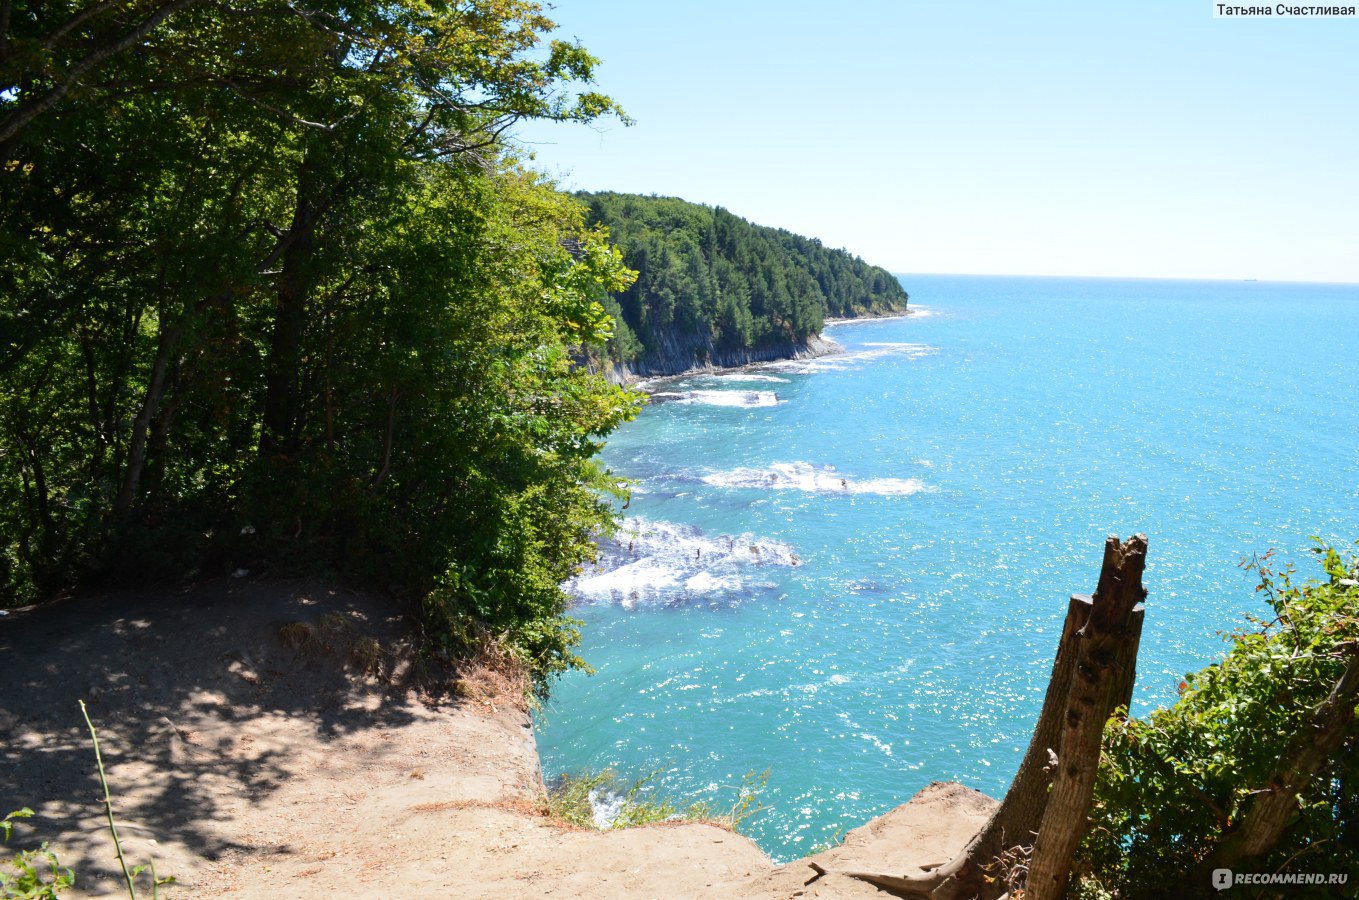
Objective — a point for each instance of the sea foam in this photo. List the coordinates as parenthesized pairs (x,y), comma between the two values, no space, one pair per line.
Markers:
(803,476)
(650,562)
(744,399)
(854,359)
(733,377)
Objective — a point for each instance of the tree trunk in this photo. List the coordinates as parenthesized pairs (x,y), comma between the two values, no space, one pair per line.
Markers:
(151,400)
(975,872)
(386,443)
(1105,669)
(283,367)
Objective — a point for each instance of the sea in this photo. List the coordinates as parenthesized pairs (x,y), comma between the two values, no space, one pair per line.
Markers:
(850,572)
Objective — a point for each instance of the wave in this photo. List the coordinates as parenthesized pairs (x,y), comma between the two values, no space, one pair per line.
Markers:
(915,312)
(650,562)
(803,476)
(746,377)
(743,399)
(854,359)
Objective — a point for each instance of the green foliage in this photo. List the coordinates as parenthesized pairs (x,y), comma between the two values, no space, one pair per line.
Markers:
(572,800)
(710,282)
(747,804)
(1174,784)
(31,874)
(278,298)
(830,843)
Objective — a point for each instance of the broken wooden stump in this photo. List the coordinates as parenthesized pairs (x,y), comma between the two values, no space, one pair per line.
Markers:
(1103,681)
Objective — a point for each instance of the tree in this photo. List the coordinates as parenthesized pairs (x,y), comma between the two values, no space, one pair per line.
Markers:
(1048,802)
(710,281)
(277,295)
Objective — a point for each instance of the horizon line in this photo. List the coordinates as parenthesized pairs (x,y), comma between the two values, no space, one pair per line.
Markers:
(901,274)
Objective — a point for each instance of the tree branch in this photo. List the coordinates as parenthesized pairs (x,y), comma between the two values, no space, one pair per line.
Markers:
(75,22)
(14,123)
(283,113)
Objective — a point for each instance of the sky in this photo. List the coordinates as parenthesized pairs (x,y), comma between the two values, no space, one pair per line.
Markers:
(1145,139)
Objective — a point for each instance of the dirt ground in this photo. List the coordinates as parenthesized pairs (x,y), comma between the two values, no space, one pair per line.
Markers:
(262,740)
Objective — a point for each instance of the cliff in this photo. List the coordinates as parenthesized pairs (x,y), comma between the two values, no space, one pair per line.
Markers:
(716,291)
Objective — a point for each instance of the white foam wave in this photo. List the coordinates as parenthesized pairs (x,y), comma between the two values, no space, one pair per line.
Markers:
(743,399)
(803,476)
(747,377)
(855,359)
(915,312)
(605,806)
(649,562)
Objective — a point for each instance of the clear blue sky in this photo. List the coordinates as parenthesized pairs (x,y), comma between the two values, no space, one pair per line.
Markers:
(1136,139)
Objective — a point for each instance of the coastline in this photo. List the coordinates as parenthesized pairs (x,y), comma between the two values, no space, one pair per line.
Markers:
(816,347)
(871,317)
(819,345)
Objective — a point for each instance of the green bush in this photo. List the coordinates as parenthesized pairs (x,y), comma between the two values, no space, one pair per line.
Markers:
(1174,787)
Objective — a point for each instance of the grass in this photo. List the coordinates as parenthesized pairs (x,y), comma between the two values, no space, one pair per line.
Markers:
(570,801)
(335,634)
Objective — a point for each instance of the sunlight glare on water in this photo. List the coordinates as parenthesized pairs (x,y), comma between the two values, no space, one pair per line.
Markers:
(852,570)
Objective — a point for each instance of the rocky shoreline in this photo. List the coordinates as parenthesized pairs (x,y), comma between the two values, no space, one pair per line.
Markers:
(683,365)
(678,358)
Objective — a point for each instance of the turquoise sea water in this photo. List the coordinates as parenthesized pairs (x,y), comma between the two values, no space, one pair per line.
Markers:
(853,571)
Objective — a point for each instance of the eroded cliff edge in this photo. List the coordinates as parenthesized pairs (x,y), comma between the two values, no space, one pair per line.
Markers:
(257,745)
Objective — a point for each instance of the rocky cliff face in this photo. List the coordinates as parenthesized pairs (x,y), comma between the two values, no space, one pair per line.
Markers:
(678,357)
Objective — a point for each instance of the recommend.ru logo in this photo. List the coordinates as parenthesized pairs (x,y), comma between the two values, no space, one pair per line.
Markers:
(1225,878)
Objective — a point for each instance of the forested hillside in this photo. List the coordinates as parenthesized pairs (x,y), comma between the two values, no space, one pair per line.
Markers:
(714,288)
(277,298)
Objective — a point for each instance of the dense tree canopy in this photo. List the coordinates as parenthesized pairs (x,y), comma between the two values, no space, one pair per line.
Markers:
(710,282)
(275,295)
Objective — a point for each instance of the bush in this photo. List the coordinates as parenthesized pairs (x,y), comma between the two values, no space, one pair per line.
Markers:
(1175,788)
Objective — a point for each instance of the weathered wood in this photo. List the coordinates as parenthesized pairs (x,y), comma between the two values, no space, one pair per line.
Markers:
(1104,673)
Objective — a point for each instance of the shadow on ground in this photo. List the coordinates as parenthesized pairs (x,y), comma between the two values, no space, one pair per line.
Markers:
(199,701)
